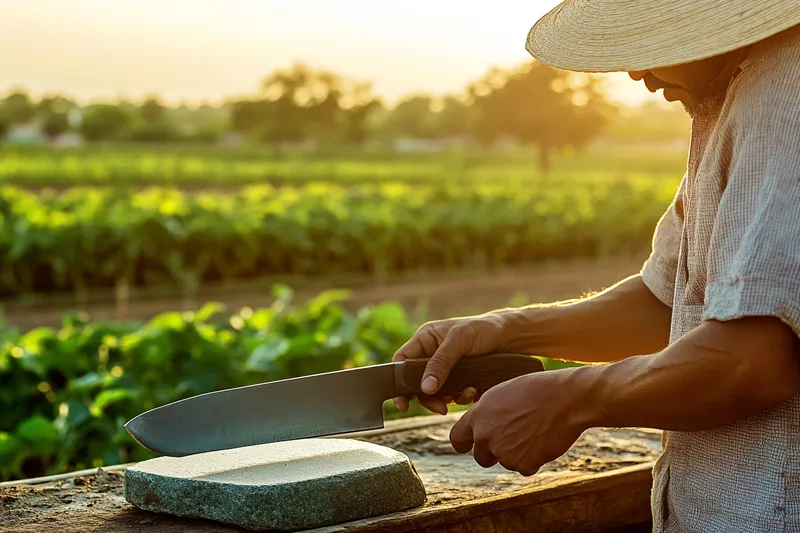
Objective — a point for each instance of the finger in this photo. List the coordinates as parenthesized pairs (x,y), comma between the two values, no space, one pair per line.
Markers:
(483,456)
(507,466)
(422,344)
(402,403)
(437,405)
(461,434)
(442,361)
(528,472)
(467,397)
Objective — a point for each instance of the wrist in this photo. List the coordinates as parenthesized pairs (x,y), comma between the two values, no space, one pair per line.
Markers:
(527,330)
(589,405)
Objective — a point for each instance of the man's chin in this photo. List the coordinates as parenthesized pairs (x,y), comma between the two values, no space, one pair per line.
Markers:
(682,96)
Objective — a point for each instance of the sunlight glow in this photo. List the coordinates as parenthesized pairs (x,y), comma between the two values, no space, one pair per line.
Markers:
(207,49)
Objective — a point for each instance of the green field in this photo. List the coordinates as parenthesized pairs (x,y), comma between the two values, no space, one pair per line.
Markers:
(214,167)
(85,238)
(65,393)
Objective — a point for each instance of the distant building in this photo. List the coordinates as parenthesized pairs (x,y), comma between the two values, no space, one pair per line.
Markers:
(68,140)
(25,134)
(412,145)
(232,139)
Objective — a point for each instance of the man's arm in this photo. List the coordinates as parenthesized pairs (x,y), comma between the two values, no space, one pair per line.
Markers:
(620,322)
(718,373)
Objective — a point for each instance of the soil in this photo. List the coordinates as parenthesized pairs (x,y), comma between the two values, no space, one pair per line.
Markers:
(441,294)
(96,502)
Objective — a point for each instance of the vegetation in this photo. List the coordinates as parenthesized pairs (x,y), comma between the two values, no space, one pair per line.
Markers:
(208,167)
(533,104)
(66,393)
(87,238)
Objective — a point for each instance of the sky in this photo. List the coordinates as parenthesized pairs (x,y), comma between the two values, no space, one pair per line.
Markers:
(208,50)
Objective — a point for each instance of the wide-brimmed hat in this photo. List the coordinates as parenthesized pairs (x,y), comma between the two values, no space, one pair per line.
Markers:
(626,35)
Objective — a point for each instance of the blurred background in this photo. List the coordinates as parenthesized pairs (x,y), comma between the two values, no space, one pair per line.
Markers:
(201,194)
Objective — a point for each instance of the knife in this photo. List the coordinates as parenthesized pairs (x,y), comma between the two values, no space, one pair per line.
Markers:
(304,407)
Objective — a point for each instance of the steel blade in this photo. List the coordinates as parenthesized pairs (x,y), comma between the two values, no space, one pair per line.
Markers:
(297,408)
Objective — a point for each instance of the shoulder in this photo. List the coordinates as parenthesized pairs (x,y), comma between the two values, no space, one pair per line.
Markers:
(768,84)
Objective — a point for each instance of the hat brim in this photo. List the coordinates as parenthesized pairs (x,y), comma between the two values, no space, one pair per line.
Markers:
(617,36)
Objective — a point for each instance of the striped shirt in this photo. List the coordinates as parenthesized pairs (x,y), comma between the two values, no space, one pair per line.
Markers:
(729,247)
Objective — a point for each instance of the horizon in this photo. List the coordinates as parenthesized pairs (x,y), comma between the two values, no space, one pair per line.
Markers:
(201,51)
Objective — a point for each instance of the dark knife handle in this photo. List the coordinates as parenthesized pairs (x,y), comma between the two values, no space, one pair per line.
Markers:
(481,372)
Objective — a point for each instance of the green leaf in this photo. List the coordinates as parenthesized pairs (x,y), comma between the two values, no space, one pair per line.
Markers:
(85,383)
(263,358)
(38,434)
(77,412)
(208,310)
(283,293)
(390,316)
(112,396)
(9,445)
(171,320)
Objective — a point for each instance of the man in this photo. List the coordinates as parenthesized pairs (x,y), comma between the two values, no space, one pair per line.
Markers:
(703,343)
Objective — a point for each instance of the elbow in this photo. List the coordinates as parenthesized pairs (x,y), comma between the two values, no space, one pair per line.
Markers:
(762,384)
(759,359)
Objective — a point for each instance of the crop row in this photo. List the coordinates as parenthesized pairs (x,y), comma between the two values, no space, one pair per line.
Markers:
(87,238)
(215,168)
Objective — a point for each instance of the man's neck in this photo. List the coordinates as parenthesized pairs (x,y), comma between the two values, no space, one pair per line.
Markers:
(713,91)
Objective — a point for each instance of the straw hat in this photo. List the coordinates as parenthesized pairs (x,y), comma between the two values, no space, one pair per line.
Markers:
(626,35)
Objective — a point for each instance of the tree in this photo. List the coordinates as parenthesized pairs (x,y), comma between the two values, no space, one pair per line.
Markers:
(301,103)
(541,106)
(18,108)
(54,124)
(53,114)
(103,122)
(413,117)
(358,106)
(153,124)
(4,127)
(456,117)
(152,111)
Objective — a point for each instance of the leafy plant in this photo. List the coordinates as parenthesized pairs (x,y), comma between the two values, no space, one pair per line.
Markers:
(65,394)
(85,238)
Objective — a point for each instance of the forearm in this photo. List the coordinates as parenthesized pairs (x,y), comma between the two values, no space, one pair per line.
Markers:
(620,322)
(715,375)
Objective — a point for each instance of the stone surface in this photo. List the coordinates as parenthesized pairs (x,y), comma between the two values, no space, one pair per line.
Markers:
(280,486)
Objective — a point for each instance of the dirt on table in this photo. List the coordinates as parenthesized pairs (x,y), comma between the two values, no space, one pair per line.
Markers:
(96,502)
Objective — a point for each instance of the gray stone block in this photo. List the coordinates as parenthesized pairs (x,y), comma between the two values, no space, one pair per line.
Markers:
(279,486)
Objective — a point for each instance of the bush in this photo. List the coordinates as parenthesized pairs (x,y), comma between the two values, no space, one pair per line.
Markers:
(93,238)
(66,393)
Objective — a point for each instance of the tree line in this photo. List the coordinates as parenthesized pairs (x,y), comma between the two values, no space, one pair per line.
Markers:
(532,104)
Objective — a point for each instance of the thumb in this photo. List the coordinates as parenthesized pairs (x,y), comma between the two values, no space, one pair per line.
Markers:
(442,361)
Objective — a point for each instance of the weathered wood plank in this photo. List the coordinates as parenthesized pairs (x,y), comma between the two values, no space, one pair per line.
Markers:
(601,484)
(594,503)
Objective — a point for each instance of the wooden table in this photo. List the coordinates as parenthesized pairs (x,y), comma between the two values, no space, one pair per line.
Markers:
(601,485)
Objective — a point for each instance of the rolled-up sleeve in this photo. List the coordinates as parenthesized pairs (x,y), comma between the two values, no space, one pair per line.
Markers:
(661,267)
(754,263)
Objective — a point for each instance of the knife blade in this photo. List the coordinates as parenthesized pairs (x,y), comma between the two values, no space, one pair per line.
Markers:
(305,407)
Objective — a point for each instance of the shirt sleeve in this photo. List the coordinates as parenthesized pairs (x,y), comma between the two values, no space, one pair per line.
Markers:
(754,257)
(661,267)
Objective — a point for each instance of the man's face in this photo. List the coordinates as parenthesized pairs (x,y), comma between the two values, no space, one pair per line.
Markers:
(678,83)
(672,80)
(688,83)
